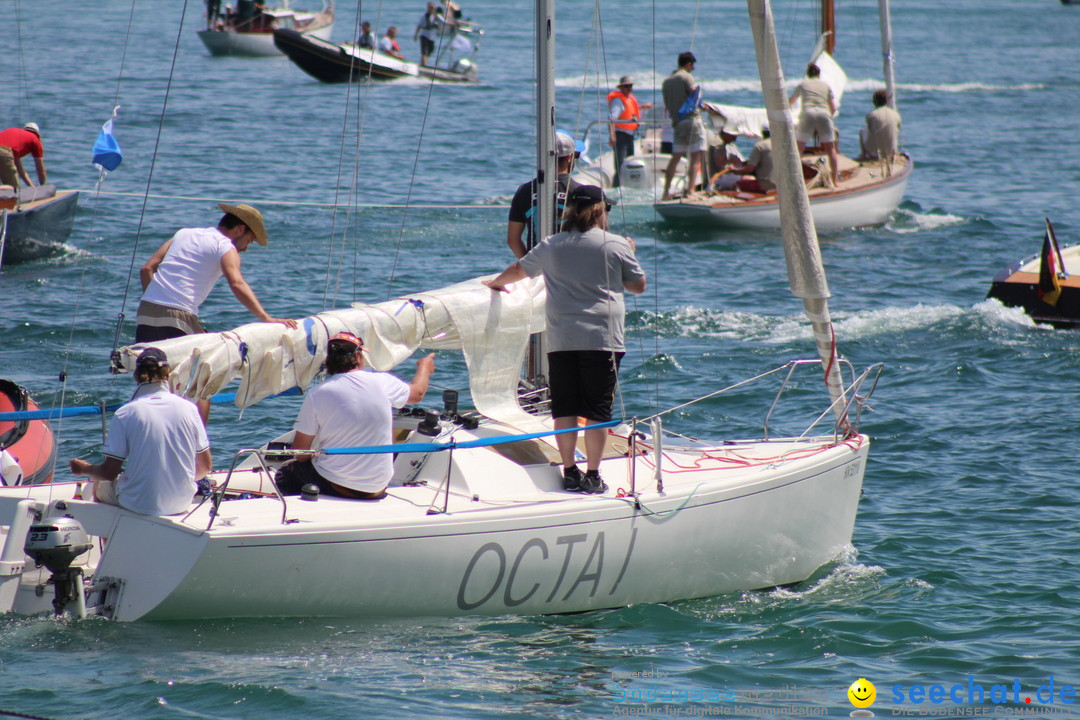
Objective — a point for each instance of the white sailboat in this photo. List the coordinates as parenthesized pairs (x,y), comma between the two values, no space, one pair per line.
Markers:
(475,521)
(868,193)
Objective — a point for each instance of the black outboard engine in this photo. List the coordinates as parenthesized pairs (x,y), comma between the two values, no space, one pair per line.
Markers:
(55,542)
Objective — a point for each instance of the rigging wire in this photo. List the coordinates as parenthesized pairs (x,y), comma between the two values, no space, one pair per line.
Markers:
(61,391)
(412,177)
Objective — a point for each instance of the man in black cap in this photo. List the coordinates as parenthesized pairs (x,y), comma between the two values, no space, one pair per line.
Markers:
(586,270)
(159,439)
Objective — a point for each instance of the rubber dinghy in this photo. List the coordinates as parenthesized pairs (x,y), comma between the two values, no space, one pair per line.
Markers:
(27,443)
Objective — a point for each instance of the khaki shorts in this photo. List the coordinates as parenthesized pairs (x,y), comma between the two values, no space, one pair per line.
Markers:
(9,174)
(815,121)
(690,135)
(105,492)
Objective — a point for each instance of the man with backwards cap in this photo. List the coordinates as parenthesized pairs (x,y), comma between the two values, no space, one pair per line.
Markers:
(352,408)
(15,144)
(624,112)
(586,270)
(159,439)
(523,206)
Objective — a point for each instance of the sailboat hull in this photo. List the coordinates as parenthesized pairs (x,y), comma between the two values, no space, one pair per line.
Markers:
(535,549)
(862,204)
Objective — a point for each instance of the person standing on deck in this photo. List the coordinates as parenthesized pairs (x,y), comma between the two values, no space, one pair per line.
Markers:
(586,270)
(427,30)
(624,112)
(818,109)
(15,144)
(523,206)
(682,100)
(159,439)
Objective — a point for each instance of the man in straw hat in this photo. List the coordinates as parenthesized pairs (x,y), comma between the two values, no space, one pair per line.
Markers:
(183,271)
(15,144)
(158,440)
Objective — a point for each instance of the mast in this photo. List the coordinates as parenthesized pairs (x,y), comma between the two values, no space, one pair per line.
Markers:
(828,25)
(546,174)
(885,21)
(806,273)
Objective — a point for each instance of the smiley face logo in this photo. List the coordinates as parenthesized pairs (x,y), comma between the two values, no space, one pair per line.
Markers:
(862,693)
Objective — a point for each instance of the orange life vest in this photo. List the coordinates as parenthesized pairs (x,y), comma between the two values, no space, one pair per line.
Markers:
(630,110)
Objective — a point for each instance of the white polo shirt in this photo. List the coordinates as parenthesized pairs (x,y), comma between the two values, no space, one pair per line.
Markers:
(158,435)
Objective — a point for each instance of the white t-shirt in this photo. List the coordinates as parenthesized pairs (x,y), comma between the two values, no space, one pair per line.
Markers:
(190,268)
(353,409)
(158,434)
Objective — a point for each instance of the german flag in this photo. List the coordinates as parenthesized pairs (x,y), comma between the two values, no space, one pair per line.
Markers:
(1051,268)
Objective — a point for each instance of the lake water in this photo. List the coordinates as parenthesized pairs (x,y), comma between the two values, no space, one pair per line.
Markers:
(963,571)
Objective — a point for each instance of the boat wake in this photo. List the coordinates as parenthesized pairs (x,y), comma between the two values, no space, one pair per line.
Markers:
(906,221)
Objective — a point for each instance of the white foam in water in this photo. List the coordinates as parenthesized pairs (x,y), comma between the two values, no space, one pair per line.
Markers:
(906,222)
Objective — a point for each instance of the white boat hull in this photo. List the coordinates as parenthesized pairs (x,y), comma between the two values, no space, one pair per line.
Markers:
(512,541)
(863,207)
(252,44)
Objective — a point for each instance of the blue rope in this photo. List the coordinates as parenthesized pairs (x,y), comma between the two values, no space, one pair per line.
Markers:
(55,413)
(438,447)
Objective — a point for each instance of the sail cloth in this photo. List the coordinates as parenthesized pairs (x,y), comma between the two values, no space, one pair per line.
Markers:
(490,328)
(806,273)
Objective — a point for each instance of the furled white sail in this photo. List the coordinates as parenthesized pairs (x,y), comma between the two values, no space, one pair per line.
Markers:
(490,328)
(806,273)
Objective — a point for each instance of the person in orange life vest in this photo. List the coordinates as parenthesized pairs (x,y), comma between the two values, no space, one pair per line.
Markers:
(623,107)
(389,45)
(16,143)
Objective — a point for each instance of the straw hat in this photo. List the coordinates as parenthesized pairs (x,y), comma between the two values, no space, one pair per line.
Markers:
(250,217)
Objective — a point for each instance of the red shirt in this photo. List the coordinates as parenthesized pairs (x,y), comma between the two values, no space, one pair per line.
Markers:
(22,142)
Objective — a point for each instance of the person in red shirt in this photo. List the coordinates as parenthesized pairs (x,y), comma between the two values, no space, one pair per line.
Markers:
(15,143)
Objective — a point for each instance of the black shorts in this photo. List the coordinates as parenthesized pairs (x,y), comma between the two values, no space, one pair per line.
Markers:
(293,475)
(427,46)
(583,383)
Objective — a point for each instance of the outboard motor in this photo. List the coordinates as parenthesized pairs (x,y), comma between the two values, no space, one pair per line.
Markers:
(55,542)
(465,67)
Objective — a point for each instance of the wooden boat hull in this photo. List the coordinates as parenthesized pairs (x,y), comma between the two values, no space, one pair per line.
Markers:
(332,63)
(865,205)
(40,228)
(1018,284)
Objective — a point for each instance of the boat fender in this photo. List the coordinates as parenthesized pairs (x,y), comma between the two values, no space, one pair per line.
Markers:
(10,471)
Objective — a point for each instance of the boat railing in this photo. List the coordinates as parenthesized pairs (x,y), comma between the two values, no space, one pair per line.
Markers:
(218,493)
(853,395)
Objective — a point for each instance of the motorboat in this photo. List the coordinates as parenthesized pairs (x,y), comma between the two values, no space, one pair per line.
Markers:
(476,520)
(1046,285)
(348,62)
(250,32)
(35,223)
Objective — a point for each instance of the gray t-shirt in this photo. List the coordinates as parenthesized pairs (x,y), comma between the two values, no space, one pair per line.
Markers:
(584,274)
(883,124)
(761,159)
(815,93)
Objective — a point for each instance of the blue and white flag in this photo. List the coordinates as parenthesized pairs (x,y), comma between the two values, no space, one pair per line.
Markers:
(107,153)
